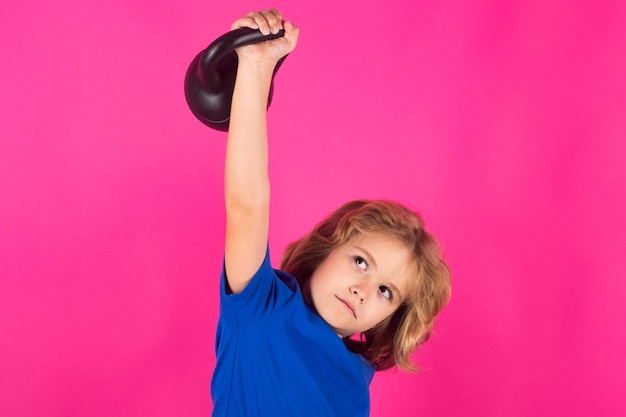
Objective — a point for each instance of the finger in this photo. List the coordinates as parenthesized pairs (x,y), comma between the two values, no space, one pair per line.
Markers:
(245,22)
(274,19)
(261,22)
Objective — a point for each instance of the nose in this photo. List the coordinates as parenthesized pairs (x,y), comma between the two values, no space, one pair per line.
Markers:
(360,293)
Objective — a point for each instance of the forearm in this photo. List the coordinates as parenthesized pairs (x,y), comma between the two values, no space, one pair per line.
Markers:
(246,169)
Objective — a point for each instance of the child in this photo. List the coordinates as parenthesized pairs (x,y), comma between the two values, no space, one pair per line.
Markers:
(368,279)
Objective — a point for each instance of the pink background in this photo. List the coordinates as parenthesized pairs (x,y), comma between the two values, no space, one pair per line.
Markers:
(502,122)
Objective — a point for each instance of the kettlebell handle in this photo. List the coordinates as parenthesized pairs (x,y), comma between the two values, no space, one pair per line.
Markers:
(210,78)
(227,43)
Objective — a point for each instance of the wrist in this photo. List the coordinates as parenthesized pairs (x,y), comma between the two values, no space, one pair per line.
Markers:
(254,79)
(257,66)
(260,73)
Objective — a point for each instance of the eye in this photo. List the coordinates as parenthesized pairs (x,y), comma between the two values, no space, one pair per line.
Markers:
(385,291)
(360,262)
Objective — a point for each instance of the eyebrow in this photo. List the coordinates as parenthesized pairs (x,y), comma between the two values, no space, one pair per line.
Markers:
(367,254)
(373,262)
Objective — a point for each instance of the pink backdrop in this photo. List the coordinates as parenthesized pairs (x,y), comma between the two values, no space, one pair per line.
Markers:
(502,122)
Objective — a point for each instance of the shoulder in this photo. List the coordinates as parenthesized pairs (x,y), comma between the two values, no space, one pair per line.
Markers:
(268,290)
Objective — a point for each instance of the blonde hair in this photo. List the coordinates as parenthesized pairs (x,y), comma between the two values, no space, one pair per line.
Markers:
(392,341)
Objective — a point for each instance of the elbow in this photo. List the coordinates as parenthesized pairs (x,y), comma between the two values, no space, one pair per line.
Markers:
(239,198)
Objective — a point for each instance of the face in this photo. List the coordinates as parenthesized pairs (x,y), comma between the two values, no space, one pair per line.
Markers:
(360,283)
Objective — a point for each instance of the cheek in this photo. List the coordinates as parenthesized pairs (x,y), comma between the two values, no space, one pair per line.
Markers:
(381,310)
(317,285)
(389,309)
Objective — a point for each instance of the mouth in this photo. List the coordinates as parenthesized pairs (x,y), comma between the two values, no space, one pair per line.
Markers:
(348,305)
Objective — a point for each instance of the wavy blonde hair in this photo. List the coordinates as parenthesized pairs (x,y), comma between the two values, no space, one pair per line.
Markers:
(391,341)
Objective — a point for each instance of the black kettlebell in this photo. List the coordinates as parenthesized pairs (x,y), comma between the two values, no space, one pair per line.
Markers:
(210,78)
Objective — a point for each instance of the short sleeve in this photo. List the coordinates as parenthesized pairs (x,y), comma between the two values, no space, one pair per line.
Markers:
(267,291)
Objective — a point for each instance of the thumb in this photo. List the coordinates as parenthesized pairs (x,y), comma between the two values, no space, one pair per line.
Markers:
(291,33)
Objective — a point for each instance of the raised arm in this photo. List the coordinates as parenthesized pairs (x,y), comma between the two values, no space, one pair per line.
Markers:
(246,179)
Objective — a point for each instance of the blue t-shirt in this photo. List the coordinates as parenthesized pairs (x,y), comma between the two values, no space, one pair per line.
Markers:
(276,357)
